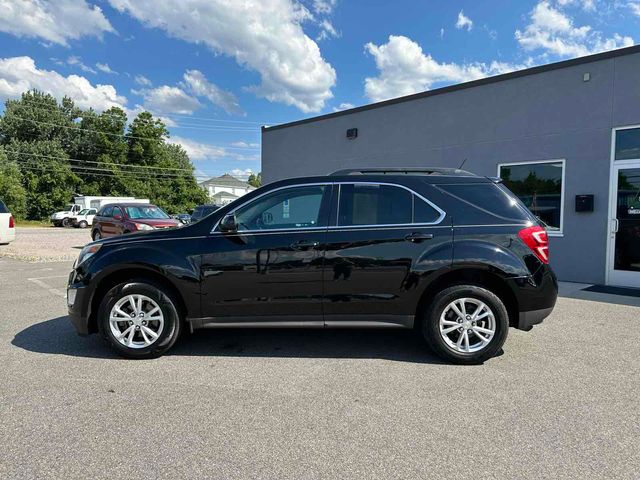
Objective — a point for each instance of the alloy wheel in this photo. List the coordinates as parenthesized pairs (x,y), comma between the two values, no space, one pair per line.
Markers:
(467,325)
(136,321)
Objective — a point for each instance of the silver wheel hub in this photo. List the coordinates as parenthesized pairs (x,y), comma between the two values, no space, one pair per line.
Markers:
(467,325)
(136,321)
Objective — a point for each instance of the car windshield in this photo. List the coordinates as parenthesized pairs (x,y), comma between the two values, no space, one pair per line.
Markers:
(145,211)
(85,211)
(68,207)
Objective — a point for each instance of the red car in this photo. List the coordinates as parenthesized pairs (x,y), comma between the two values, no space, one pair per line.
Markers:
(120,218)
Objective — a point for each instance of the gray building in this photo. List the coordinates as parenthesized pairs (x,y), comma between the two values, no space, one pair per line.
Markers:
(565,137)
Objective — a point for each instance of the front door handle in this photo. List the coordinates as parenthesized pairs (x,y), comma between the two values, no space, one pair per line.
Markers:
(416,237)
(304,244)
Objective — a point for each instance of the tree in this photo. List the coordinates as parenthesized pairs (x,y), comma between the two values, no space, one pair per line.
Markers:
(12,193)
(255,180)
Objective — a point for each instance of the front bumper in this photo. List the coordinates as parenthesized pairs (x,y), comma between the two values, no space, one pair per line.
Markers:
(78,301)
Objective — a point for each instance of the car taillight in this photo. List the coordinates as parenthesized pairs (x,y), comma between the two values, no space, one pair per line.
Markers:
(536,239)
(11,222)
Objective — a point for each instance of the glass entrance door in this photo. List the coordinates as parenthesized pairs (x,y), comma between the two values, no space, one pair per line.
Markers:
(624,243)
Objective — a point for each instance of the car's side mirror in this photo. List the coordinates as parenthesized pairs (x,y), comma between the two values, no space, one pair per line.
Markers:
(117,216)
(228,224)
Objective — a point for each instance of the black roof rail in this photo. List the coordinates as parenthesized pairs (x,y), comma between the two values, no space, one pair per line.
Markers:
(403,171)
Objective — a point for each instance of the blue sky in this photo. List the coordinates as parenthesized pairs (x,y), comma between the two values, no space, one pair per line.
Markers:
(216,70)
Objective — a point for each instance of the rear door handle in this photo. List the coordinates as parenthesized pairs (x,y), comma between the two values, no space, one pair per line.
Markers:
(416,237)
(304,244)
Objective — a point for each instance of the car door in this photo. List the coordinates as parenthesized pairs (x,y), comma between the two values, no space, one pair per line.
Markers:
(383,242)
(104,220)
(270,269)
(117,221)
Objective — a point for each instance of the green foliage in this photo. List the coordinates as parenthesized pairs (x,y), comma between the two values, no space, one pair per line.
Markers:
(11,190)
(54,151)
(255,180)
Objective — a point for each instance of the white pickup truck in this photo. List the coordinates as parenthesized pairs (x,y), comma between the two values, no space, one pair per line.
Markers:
(7,225)
(84,219)
(64,217)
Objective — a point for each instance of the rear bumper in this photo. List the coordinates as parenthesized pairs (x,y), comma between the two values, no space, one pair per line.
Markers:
(536,296)
(8,236)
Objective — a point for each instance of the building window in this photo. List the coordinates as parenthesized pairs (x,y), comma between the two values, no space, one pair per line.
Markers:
(540,186)
(628,144)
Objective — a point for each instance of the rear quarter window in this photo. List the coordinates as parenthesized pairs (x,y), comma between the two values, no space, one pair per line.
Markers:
(484,203)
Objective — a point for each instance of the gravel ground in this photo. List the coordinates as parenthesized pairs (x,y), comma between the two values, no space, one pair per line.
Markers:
(46,244)
(560,403)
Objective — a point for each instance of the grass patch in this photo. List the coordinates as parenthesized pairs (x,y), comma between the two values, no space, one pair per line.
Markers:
(32,223)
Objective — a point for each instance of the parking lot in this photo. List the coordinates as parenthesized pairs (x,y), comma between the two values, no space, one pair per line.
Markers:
(560,402)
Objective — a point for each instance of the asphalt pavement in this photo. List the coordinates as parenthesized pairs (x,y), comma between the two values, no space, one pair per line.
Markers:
(562,401)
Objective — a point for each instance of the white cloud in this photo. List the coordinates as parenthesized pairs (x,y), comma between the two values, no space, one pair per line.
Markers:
(142,80)
(343,106)
(324,7)
(464,22)
(442,33)
(588,5)
(199,151)
(404,69)
(327,30)
(241,173)
(553,31)
(77,62)
(19,74)
(56,21)
(242,144)
(262,35)
(635,8)
(104,67)
(198,84)
(167,100)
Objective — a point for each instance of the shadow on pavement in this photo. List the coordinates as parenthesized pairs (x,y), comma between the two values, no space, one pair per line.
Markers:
(57,336)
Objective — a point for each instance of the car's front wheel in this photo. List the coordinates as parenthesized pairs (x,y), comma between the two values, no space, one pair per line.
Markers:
(139,319)
(466,324)
(96,235)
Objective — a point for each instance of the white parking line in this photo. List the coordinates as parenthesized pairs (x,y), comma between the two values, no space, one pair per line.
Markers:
(55,291)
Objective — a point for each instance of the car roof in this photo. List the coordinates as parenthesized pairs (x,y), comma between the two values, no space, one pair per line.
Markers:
(125,204)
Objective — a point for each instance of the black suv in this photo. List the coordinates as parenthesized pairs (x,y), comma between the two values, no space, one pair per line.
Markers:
(453,255)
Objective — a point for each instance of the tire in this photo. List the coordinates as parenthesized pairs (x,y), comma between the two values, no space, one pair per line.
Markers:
(96,235)
(65,222)
(83,224)
(480,346)
(163,320)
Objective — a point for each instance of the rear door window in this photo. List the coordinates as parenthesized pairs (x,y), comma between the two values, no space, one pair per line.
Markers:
(3,207)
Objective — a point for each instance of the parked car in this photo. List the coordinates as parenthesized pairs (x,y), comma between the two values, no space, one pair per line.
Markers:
(84,219)
(453,255)
(7,225)
(184,218)
(202,211)
(121,218)
(63,218)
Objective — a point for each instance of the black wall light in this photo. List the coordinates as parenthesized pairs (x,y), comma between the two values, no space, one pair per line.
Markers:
(352,133)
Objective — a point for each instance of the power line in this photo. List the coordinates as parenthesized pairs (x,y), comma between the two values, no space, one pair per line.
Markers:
(167,115)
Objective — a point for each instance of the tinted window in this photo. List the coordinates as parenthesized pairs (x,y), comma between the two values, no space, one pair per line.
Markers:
(106,212)
(423,212)
(539,187)
(365,204)
(628,144)
(482,203)
(117,211)
(3,207)
(297,207)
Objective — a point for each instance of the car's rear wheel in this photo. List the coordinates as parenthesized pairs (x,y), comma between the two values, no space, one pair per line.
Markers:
(466,324)
(139,319)
(96,235)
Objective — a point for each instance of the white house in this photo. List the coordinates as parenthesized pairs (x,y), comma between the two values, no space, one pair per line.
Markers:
(225,189)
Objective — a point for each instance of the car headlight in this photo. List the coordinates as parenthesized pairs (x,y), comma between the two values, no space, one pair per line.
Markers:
(143,226)
(88,252)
